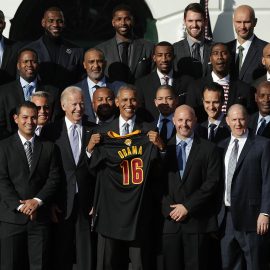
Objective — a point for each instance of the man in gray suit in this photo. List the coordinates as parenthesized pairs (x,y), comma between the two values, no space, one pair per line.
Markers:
(128,57)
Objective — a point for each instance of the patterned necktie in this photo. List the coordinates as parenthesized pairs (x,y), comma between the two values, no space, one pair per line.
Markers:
(125,129)
(124,55)
(164,130)
(28,91)
(74,142)
(181,157)
(231,168)
(28,152)
(226,89)
(196,51)
(165,80)
(262,126)
(240,57)
(211,136)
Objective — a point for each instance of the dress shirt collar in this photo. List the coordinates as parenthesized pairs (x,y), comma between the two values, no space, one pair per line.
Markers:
(169,117)
(101,83)
(130,121)
(245,45)
(217,121)
(267,118)
(188,140)
(24,83)
(161,76)
(191,41)
(69,124)
(216,79)
(241,139)
(23,139)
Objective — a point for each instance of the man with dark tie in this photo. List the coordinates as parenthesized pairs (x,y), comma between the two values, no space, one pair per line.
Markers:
(192,53)
(29,180)
(163,75)
(247,48)
(104,105)
(95,64)
(166,101)
(259,121)
(60,61)
(189,205)
(74,202)
(244,215)
(266,63)
(235,91)
(42,100)
(128,57)
(15,92)
(215,127)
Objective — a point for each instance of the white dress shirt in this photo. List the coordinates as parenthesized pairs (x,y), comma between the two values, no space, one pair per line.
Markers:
(169,75)
(91,85)
(246,46)
(122,123)
(170,125)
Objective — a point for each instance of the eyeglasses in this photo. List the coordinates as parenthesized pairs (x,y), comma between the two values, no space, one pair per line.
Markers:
(45,107)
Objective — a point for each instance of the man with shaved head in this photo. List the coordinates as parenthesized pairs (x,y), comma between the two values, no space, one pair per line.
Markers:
(246,49)
(193,170)
(244,215)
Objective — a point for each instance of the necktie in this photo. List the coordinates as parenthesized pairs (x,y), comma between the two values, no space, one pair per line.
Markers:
(164,129)
(262,126)
(96,86)
(240,57)
(74,142)
(28,152)
(125,129)
(196,51)
(181,157)
(226,89)
(231,168)
(38,130)
(28,91)
(211,136)
(165,80)
(124,55)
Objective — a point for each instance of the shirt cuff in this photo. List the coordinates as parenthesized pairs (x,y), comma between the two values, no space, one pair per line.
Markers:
(40,202)
(88,153)
(267,215)
(19,207)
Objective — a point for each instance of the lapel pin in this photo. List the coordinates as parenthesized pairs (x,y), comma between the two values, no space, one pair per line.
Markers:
(69,51)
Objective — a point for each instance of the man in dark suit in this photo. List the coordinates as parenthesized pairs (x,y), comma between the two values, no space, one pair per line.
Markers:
(247,48)
(215,127)
(166,101)
(95,64)
(29,175)
(259,122)
(104,106)
(244,215)
(74,203)
(60,60)
(266,63)
(14,93)
(7,55)
(164,74)
(125,243)
(192,53)
(189,205)
(235,91)
(128,57)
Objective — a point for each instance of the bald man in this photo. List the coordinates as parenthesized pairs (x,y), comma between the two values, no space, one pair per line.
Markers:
(189,204)
(247,48)
(244,215)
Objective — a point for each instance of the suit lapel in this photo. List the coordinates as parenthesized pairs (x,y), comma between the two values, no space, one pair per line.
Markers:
(114,51)
(249,143)
(36,154)
(19,149)
(136,54)
(87,99)
(85,140)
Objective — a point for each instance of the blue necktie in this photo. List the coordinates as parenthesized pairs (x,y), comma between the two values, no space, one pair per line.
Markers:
(74,142)
(28,152)
(181,157)
(28,91)
(262,126)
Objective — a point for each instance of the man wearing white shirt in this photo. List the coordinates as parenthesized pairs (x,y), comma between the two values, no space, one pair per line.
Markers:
(247,48)
(244,214)
(30,176)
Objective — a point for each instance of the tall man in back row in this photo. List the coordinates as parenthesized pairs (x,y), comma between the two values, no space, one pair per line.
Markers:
(123,209)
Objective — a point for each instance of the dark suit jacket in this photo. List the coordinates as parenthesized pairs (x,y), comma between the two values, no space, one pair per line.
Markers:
(8,68)
(66,71)
(11,95)
(196,190)
(72,173)
(147,87)
(250,184)
(252,67)
(184,64)
(239,92)
(252,124)
(17,182)
(140,60)
(223,131)
(259,80)
(87,99)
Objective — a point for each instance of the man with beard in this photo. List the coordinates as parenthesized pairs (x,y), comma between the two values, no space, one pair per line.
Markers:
(235,91)
(60,60)
(103,105)
(94,63)
(166,102)
(192,53)
(163,75)
(128,56)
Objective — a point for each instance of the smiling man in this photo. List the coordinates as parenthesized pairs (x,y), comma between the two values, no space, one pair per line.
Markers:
(244,215)
(235,91)
(193,169)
